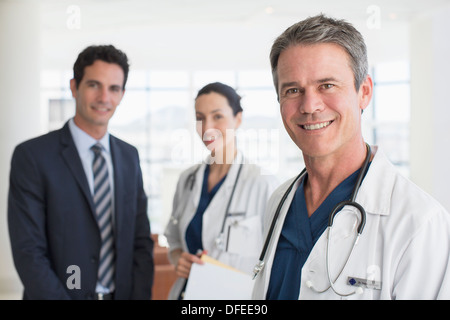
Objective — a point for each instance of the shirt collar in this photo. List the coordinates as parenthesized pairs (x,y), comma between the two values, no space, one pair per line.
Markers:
(83,141)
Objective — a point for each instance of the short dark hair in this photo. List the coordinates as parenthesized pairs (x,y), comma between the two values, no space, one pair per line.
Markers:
(234,100)
(106,53)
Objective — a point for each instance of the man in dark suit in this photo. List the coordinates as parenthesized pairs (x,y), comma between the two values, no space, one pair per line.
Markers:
(77,214)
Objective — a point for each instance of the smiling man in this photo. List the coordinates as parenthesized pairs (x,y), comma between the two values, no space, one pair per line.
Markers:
(349,226)
(97,96)
(77,210)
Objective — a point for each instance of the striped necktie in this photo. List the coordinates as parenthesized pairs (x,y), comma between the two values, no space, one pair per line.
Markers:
(102,202)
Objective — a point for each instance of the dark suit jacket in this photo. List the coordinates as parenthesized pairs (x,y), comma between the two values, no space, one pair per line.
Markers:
(52,225)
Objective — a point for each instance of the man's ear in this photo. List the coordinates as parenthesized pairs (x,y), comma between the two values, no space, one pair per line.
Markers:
(238,118)
(73,87)
(365,93)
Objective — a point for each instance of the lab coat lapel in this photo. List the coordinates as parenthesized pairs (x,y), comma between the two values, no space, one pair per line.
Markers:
(223,196)
(230,180)
(196,186)
(214,215)
(278,226)
(377,200)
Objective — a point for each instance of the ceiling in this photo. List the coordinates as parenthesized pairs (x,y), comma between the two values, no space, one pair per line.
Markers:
(103,13)
(211,33)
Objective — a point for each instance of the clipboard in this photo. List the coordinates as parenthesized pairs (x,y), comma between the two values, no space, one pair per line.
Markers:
(215,280)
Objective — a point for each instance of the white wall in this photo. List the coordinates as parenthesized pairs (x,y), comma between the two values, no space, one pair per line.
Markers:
(27,34)
(19,100)
(430,106)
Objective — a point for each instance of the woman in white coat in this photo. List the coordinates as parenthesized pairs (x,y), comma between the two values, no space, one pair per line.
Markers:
(218,205)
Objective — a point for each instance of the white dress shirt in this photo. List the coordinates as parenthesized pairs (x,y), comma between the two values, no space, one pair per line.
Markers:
(83,143)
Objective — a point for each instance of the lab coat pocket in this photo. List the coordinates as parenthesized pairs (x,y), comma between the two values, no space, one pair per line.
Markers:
(245,236)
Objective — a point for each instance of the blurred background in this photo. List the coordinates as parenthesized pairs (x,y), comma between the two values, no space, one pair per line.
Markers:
(175,47)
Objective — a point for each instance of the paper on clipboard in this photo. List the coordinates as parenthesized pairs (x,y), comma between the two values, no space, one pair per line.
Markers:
(217,281)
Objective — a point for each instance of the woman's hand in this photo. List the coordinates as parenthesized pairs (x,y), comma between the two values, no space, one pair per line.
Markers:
(185,262)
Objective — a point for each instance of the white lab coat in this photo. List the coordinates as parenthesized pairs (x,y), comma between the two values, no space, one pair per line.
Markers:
(405,244)
(244,223)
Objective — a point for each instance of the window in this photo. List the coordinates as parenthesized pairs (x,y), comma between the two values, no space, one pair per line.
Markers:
(157,116)
(386,121)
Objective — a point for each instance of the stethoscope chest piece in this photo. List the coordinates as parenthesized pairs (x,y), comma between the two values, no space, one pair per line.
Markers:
(219,242)
(257,269)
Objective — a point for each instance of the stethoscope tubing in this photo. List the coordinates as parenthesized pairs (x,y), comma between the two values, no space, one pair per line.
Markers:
(191,179)
(227,210)
(275,218)
(331,217)
(342,204)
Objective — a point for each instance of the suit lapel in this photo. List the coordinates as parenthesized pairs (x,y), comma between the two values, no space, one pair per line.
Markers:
(72,159)
(119,182)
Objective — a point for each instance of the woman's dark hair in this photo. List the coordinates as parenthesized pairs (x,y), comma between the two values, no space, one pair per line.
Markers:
(106,53)
(234,100)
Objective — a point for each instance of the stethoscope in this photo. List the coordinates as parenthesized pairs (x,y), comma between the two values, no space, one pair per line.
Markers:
(220,239)
(260,265)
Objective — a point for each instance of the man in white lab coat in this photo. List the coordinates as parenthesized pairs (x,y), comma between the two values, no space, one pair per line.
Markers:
(320,73)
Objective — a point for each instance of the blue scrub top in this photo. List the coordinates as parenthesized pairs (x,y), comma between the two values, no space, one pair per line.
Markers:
(194,230)
(298,236)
